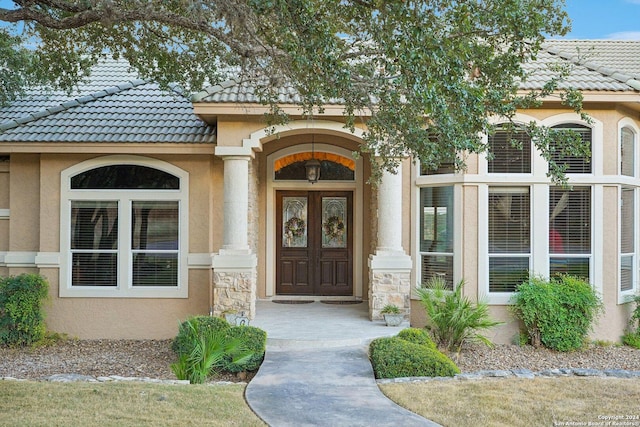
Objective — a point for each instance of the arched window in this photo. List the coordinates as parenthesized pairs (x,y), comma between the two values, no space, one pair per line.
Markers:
(575,164)
(333,167)
(510,151)
(124,232)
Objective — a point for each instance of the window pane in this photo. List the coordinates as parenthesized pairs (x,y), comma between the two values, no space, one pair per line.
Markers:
(438,266)
(575,164)
(436,221)
(95,269)
(578,267)
(329,171)
(154,225)
(154,241)
(627,152)
(626,273)
(627,243)
(511,152)
(94,243)
(570,220)
(507,273)
(125,177)
(509,226)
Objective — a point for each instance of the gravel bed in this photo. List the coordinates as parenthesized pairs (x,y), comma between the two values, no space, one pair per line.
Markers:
(151,358)
(478,358)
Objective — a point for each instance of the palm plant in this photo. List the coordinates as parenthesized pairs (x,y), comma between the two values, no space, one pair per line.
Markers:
(452,318)
(208,350)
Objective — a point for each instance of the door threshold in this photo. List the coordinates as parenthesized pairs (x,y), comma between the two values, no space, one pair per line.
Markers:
(311,298)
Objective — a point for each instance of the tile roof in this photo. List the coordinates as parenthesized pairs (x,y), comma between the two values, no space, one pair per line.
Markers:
(114,105)
(597,65)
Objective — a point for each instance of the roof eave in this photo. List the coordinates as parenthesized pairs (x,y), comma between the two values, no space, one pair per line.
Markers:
(209,112)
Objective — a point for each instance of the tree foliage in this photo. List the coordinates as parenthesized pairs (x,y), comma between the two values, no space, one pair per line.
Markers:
(426,74)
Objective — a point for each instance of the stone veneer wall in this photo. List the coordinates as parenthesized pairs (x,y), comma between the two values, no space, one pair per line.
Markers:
(235,291)
(389,287)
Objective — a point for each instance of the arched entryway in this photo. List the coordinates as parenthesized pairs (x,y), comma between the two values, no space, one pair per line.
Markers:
(314,231)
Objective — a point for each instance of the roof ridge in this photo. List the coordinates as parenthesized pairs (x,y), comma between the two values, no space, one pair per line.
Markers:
(75,102)
(210,90)
(633,81)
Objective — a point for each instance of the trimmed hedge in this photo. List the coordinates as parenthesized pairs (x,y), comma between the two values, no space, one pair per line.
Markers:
(394,357)
(417,336)
(21,313)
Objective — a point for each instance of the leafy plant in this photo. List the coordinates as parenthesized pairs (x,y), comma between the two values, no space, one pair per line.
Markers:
(254,340)
(183,342)
(453,319)
(21,313)
(390,309)
(208,350)
(557,313)
(394,357)
(632,337)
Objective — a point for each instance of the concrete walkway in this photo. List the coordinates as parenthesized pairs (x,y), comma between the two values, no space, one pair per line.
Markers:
(317,372)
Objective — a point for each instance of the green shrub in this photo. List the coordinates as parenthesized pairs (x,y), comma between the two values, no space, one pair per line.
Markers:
(557,313)
(417,336)
(21,314)
(452,319)
(206,344)
(632,339)
(393,357)
(254,340)
(209,348)
(183,343)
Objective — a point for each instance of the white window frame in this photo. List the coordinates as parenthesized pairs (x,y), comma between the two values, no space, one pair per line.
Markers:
(539,198)
(629,182)
(504,297)
(596,230)
(456,237)
(124,289)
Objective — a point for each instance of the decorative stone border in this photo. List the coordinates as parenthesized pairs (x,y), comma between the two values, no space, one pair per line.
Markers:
(520,373)
(70,378)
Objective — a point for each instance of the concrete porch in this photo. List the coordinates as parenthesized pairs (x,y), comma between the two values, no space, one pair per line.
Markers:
(318,325)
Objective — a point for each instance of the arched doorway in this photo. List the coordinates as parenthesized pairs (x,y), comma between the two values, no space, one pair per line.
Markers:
(314,231)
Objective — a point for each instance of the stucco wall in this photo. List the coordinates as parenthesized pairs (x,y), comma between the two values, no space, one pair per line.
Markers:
(37,180)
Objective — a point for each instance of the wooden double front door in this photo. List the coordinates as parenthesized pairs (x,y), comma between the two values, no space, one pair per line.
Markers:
(314,243)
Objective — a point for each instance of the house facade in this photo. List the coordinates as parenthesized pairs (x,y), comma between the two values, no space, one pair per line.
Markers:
(142,207)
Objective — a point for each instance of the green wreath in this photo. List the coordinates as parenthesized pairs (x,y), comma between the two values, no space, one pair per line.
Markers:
(334,227)
(294,227)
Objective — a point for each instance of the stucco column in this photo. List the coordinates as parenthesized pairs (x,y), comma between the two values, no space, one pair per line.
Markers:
(390,213)
(390,267)
(235,266)
(236,203)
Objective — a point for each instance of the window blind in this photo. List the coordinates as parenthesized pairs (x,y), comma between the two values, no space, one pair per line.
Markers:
(154,243)
(627,238)
(574,164)
(509,232)
(511,152)
(627,152)
(94,243)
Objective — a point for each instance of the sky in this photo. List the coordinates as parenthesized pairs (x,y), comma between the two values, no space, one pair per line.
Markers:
(604,19)
(591,19)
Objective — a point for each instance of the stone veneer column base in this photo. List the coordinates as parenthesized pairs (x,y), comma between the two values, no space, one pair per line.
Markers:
(234,284)
(389,283)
